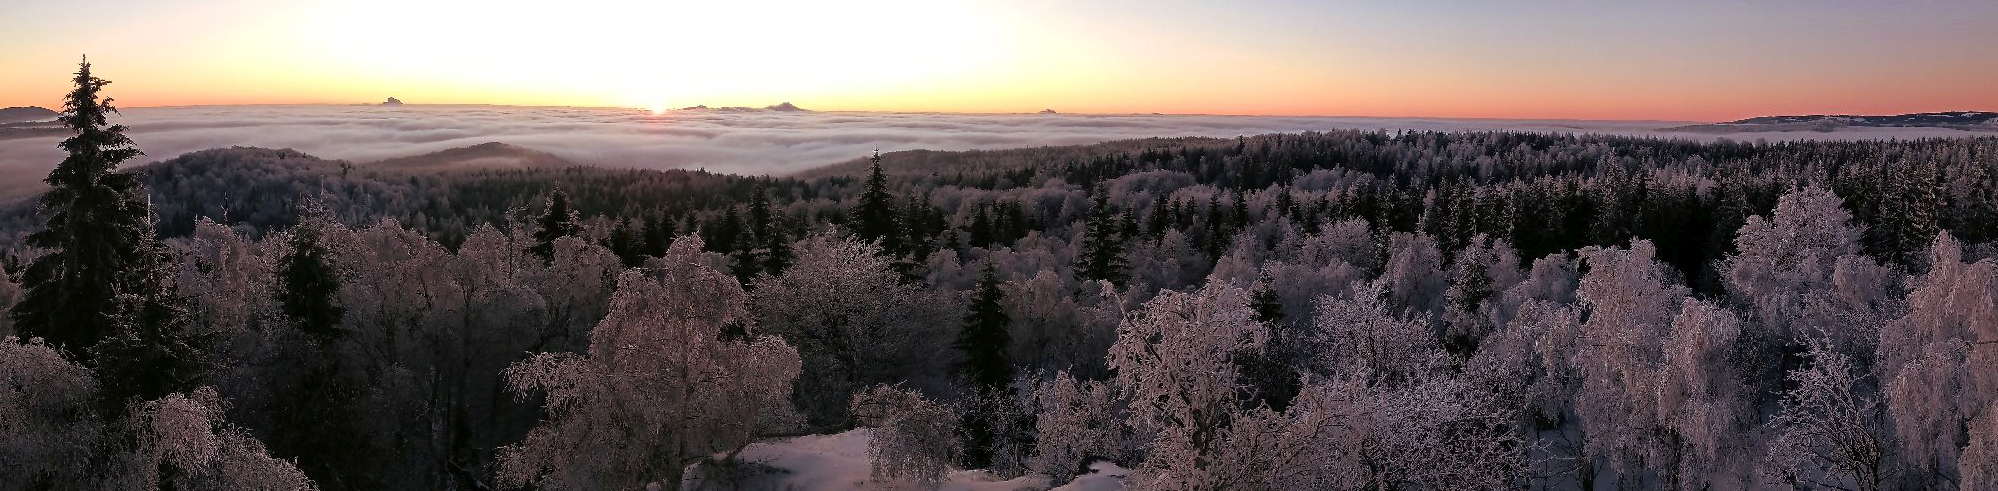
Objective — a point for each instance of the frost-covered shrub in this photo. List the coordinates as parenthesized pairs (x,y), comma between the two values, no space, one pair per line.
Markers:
(913,439)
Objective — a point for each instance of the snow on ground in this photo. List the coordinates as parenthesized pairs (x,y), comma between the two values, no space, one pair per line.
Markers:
(1102,476)
(839,463)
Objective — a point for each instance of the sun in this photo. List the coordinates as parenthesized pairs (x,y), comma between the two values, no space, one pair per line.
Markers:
(658,108)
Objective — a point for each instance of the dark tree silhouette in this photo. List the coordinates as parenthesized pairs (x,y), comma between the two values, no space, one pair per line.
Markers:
(874,215)
(558,221)
(152,351)
(1102,256)
(97,227)
(984,337)
(308,286)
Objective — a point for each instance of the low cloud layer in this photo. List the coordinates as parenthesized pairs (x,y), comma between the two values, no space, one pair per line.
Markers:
(759,142)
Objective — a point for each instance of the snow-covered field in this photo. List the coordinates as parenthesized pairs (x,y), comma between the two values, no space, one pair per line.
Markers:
(840,463)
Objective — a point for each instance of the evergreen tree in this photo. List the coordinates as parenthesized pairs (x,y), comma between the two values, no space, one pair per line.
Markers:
(97,230)
(981,228)
(558,221)
(1159,220)
(743,262)
(152,351)
(1272,380)
(658,234)
(308,286)
(626,244)
(985,338)
(725,236)
(773,248)
(1103,246)
(873,218)
(312,409)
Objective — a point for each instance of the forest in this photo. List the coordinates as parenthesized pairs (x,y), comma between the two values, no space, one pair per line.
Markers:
(1345,310)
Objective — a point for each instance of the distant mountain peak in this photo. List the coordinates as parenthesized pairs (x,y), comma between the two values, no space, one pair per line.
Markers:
(784,106)
(392,102)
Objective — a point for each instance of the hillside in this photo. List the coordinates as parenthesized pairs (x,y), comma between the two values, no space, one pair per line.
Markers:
(492,155)
(1962,120)
(29,113)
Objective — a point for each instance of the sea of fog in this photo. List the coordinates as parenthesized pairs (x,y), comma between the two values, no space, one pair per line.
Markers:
(749,141)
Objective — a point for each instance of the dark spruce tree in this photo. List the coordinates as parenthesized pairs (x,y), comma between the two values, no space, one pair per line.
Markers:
(1103,243)
(558,221)
(770,241)
(308,286)
(983,340)
(984,337)
(313,410)
(152,350)
(1271,370)
(873,217)
(96,231)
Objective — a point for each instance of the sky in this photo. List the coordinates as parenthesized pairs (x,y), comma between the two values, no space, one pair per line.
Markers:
(1680,60)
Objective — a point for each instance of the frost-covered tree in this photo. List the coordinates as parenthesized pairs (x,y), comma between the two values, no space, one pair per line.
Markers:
(46,413)
(1939,361)
(911,439)
(1172,360)
(1431,433)
(1361,335)
(1414,274)
(1483,268)
(1552,279)
(661,386)
(1801,273)
(1631,299)
(1078,422)
(1702,402)
(1828,435)
(577,287)
(185,442)
(855,323)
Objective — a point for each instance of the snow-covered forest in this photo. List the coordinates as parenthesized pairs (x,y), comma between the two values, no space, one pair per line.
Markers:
(1341,310)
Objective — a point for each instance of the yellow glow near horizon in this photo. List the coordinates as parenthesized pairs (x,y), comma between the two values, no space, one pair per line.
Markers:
(1433,58)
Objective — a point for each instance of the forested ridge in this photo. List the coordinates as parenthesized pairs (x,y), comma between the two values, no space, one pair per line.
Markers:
(1337,310)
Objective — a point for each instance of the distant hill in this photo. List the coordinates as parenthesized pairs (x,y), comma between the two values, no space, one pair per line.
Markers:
(1962,120)
(492,155)
(782,107)
(29,113)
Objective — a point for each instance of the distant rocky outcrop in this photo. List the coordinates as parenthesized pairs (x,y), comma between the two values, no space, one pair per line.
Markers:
(1961,120)
(392,102)
(27,113)
(785,107)
(1049,111)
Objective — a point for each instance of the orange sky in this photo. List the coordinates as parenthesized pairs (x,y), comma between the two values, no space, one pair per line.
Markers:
(1699,60)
